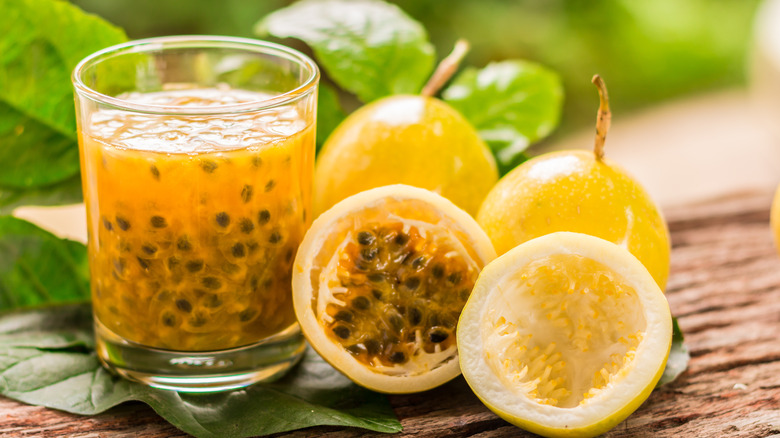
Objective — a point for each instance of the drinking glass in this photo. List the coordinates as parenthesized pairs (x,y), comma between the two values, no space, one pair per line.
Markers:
(197,156)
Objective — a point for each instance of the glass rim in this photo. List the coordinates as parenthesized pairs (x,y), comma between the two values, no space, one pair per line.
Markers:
(197,41)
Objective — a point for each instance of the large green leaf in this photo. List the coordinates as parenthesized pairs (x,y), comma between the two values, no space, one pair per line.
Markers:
(368,47)
(59,193)
(41,43)
(329,113)
(38,268)
(57,343)
(511,103)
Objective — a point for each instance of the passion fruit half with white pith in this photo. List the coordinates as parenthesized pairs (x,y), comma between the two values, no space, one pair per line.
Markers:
(565,335)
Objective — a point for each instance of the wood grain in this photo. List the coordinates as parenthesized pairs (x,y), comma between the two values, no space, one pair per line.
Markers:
(724,288)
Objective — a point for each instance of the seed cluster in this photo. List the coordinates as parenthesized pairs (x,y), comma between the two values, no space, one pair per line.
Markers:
(194,252)
(403,295)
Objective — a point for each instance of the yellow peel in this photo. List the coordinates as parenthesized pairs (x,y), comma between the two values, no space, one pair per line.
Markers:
(576,373)
(313,289)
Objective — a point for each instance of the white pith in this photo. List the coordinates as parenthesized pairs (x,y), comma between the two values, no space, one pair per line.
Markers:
(559,341)
(315,270)
(496,323)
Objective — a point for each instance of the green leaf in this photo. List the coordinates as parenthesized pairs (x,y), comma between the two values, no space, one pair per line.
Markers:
(40,155)
(60,193)
(369,47)
(329,113)
(678,356)
(38,268)
(511,103)
(56,343)
(41,43)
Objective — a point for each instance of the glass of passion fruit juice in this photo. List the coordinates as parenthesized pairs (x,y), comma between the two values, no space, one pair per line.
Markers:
(197,156)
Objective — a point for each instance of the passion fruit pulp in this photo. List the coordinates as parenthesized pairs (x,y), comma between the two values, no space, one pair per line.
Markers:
(379,284)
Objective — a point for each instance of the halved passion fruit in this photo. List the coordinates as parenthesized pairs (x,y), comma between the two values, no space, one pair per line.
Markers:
(565,335)
(379,283)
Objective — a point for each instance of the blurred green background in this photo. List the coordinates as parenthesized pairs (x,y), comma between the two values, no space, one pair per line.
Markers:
(647,50)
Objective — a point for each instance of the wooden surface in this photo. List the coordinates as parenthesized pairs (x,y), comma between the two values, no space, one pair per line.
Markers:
(724,288)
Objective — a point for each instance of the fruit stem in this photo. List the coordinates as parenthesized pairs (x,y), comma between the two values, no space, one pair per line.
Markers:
(446,68)
(603,119)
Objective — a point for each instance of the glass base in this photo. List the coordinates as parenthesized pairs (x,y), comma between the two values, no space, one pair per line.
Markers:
(200,371)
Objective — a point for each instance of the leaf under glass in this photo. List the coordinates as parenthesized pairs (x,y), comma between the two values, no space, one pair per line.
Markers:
(57,343)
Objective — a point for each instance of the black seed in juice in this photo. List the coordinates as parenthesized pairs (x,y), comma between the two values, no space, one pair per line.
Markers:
(270,185)
(438,336)
(396,323)
(198,320)
(454,278)
(397,357)
(401,239)
(155,172)
(267,284)
(257,161)
(119,265)
(275,237)
(158,222)
(263,217)
(377,294)
(246,193)
(341,331)
(412,283)
(122,223)
(143,262)
(372,346)
(183,305)
(107,224)
(169,319)
(173,262)
(211,282)
(288,256)
(464,294)
(415,316)
(438,271)
(368,254)
(183,244)
(194,265)
(211,301)
(365,238)
(246,315)
(361,303)
(208,166)
(448,321)
(344,315)
(246,225)
(356,349)
(376,277)
(230,268)
(238,250)
(418,262)
(223,219)
(149,249)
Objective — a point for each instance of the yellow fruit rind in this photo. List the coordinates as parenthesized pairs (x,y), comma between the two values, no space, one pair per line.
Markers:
(320,256)
(602,409)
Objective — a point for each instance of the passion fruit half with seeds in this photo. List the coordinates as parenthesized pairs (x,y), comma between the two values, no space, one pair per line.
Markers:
(379,283)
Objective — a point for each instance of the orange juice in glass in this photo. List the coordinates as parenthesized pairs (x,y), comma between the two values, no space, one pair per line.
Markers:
(197,156)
